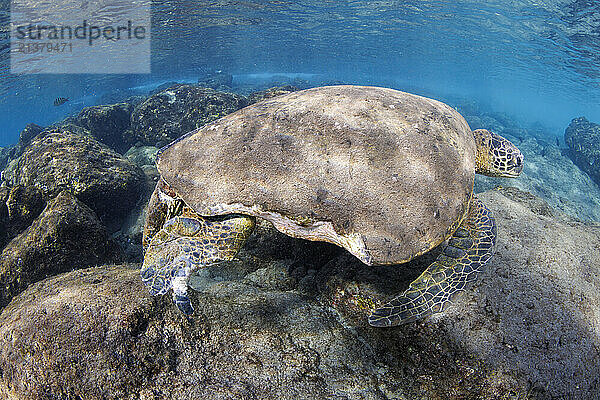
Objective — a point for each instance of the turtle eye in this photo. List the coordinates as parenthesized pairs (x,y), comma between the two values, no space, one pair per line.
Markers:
(515,162)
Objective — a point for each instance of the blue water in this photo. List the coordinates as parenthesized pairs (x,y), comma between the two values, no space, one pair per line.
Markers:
(537,61)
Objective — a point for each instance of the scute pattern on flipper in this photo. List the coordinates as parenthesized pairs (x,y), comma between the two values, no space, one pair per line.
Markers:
(469,248)
(188,242)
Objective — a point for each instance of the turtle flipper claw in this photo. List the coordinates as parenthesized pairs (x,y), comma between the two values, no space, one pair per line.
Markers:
(469,248)
(183,303)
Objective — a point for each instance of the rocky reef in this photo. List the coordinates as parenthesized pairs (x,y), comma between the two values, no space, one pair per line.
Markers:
(583,139)
(19,206)
(255,97)
(109,124)
(95,174)
(287,320)
(217,80)
(27,135)
(167,115)
(5,155)
(60,201)
(66,235)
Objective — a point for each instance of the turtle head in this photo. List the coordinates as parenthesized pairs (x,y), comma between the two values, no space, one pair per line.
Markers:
(164,204)
(497,156)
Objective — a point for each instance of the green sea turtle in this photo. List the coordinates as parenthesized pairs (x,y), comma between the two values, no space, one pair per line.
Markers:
(385,174)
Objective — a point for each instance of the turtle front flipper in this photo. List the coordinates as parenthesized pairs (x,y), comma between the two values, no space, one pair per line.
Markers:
(469,248)
(186,243)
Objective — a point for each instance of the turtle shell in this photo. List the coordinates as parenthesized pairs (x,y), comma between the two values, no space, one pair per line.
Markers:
(386,174)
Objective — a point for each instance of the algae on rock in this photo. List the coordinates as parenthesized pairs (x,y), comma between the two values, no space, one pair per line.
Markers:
(178,110)
(99,177)
(109,124)
(66,235)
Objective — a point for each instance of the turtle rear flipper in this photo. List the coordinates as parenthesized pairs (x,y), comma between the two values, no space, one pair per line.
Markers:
(187,243)
(469,248)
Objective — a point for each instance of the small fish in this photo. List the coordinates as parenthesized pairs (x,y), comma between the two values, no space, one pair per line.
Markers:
(59,101)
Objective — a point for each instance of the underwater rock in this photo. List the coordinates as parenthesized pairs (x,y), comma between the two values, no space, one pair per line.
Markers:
(99,177)
(20,206)
(514,134)
(4,236)
(301,84)
(29,132)
(6,153)
(66,235)
(255,97)
(109,124)
(163,86)
(180,109)
(283,80)
(69,125)
(287,320)
(26,136)
(142,155)
(124,95)
(218,81)
(96,333)
(24,204)
(130,234)
(583,139)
